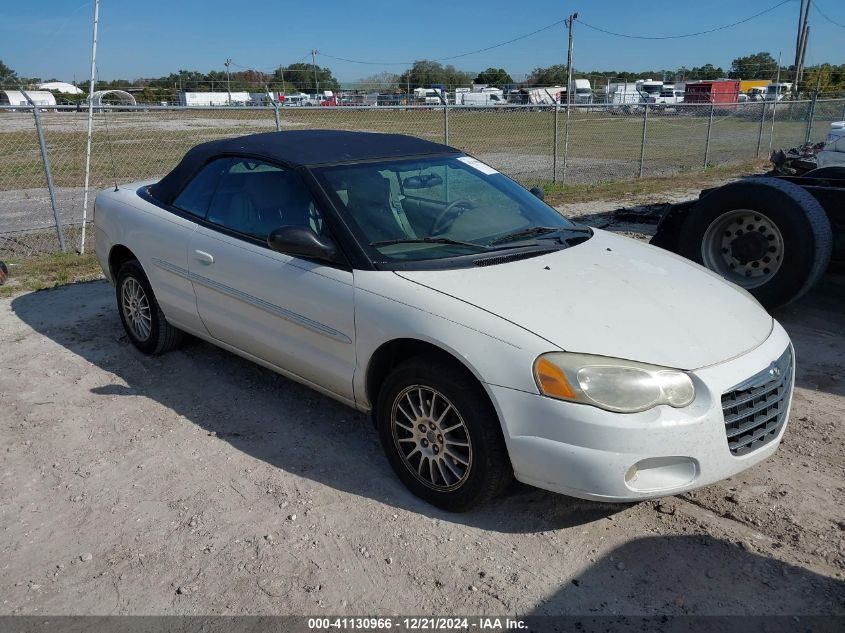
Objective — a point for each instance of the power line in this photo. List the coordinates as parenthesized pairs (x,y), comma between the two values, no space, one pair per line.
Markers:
(828,18)
(451,57)
(674,37)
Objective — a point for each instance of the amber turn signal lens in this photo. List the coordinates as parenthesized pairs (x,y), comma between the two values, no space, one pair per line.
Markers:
(552,381)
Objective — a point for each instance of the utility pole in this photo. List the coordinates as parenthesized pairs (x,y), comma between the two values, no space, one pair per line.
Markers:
(803,37)
(569,22)
(775,106)
(314,66)
(227,63)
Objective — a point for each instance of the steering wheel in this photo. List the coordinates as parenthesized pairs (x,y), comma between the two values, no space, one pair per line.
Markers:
(440,223)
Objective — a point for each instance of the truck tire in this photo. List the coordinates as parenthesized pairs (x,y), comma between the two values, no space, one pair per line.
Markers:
(766,235)
(832,171)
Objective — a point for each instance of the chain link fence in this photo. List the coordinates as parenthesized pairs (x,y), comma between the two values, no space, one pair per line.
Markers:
(533,144)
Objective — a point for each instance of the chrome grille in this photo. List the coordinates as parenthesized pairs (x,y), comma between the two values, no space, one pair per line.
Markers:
(755,411)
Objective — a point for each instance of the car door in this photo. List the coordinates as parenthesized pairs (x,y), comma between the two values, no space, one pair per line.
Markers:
(294,313)
(166,242)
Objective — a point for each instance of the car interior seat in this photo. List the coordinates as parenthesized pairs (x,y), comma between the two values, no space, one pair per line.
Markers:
(370,206)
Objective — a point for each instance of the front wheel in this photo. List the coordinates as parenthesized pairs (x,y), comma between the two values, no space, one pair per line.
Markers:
(140,313)
(442,435)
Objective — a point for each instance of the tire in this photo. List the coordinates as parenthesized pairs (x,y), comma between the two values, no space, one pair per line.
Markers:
(776,270)
(152,335)
(832,171)
(456,486)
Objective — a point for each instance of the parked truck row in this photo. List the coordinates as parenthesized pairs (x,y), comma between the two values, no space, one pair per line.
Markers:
(642,91)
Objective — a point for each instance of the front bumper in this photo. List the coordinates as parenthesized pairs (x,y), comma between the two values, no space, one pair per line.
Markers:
(586,452)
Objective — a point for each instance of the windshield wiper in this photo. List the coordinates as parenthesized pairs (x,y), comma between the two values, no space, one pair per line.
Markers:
(428,240)
(532,231)
(535,231)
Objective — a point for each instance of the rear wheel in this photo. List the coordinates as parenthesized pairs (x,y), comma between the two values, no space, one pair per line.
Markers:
(766,235)
(140,313)
(441,434)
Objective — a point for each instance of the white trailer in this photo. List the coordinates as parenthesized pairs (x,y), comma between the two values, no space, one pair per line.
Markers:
(547,96)
(199,99)
(623,93)
(428,96)
(487,97)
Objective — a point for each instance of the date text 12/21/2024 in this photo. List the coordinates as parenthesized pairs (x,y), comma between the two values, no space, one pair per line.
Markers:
(416,623)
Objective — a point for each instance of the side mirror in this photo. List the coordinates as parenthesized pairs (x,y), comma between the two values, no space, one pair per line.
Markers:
(300,241)
(538,191)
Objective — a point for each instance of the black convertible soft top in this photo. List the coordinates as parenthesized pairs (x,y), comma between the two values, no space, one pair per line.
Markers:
(295,148)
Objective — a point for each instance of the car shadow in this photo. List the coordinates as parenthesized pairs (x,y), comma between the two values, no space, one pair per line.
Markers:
(638,584)
(266,415)
(816,324)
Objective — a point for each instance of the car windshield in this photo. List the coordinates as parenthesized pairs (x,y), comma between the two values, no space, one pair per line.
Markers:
(438,207)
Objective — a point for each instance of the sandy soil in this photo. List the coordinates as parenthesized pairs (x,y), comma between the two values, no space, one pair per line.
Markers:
(198,483)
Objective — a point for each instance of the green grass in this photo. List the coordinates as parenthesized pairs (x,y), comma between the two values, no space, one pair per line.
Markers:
(49,271)
(138,145)
(632,191)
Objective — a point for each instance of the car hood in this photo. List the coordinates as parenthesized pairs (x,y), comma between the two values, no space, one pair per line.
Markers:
(614,296)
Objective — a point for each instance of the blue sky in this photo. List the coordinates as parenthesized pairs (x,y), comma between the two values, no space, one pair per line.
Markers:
(52,38)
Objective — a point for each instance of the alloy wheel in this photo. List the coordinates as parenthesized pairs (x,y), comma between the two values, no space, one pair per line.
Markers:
(431,437)
(136,308)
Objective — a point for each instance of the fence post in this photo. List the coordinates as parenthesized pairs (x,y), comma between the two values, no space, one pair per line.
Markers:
(762,122)
(772,135)
(642,146)
(554,147)
(566,141)
(709,130)
(811,116)
(48,172)
(445,123)
(276,113)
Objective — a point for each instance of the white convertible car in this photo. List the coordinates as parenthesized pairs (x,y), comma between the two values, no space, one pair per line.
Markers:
(489,336)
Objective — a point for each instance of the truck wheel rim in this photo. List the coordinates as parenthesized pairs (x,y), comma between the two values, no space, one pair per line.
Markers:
(744,246)
(431,437)
(136,308)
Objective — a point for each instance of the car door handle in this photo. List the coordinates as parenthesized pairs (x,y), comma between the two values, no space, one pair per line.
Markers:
(205,258)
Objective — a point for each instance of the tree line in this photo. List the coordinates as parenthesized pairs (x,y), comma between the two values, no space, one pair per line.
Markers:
(304,77)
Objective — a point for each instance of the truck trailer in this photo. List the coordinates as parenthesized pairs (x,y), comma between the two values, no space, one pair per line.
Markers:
(718,92)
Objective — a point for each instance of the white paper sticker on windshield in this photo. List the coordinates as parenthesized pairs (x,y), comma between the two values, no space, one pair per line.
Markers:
(477,164)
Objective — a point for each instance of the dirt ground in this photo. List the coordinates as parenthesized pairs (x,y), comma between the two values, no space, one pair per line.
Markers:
(199,483)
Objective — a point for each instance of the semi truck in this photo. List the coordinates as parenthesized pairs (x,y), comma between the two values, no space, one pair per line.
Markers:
(583,91)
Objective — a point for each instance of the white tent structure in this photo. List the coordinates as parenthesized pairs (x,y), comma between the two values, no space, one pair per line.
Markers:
(110,97)
(60,86)
(18,97)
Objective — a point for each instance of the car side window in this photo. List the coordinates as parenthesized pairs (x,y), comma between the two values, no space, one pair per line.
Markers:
(254,198)
(196,195)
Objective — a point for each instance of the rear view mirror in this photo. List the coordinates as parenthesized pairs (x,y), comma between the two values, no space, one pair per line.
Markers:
(302,242)
(423,181)
(538,192)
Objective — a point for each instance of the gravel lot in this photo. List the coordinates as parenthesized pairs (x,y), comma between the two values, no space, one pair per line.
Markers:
(198,483)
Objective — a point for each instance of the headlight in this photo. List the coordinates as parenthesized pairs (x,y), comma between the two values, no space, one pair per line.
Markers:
(610,383)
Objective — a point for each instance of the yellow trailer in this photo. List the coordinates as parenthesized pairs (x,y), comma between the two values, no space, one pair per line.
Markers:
(747,84)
